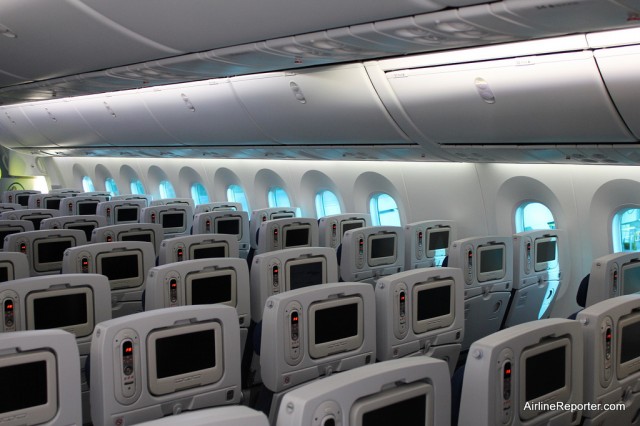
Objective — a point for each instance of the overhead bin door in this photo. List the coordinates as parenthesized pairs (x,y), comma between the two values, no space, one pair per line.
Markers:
(203,113)
(16,123)
(558,98)
(334,105)
(122,119)
(620,68)
(61,124)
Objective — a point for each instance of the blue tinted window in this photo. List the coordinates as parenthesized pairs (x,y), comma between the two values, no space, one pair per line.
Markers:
(166,190)
(532,215)
(277,197)
(111,186)
(327,203)
(199,194)
(384,210)
(236,194)
(87,184)
(626,230)
(137,187)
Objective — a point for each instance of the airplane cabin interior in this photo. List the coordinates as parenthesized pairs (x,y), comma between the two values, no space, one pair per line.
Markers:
(277,213)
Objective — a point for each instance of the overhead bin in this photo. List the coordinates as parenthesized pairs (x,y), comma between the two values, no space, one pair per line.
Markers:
(25,134)
(122,119)
(61,123)
(554,98)
(620,69)
(7,138)
(333,105)
(202,113)
(623,37)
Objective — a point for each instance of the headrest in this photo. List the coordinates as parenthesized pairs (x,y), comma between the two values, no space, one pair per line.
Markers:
(613,275)
(612,362)
(217,206)
(121,211)
(13,266)
(162,362)
(41,378)
(148,232)
(332,228)
(45,248)
(173,201)
(71,302)
(200,246)
(372,252)
(427,241)
(316,331)
(225,222)
(233,415)
(174,218)
(81,204)
(511,375)
(279,234)
(484,260)
(201,282)
(260,215)
(403,391)
(283,270)
(419,309)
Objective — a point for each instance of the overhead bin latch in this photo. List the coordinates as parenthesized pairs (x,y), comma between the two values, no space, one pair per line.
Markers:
(484,90)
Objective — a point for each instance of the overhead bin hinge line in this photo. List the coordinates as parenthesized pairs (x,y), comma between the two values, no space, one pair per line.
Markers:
(613,103)
(255,123)
(384,105)
(378,81)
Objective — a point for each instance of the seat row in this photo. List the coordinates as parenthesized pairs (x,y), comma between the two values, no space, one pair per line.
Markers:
(143,358)
(506,279)
(318,357)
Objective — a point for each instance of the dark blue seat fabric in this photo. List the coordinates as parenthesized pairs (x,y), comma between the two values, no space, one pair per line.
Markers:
(581,296)
(247,357)
(456,394)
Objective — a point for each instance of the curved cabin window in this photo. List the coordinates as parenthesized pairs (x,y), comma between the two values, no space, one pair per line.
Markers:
(384,210)
(533,215)
(87,184)
(111,186)
(327,203)
(166,190)
(236,194)
(626,230)
(277,197)
(199,194)
(137,187)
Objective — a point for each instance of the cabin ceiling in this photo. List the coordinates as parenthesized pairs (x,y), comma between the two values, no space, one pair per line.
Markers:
(241,57)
